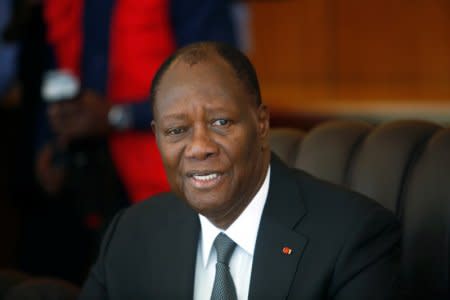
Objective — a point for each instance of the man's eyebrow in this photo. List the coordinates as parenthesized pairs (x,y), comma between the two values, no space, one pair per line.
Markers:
(223,110)
(174,116)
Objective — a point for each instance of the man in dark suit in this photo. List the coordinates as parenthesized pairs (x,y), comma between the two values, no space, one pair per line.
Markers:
(294,236)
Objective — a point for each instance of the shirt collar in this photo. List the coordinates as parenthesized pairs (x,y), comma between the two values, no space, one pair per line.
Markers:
(243,231)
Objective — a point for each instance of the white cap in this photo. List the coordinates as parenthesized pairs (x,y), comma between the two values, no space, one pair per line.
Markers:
(59,85)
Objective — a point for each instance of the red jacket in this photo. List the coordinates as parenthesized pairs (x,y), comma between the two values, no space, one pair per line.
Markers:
(140,40)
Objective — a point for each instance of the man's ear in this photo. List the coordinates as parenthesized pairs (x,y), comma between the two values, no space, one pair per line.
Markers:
(153,124)
(263,121)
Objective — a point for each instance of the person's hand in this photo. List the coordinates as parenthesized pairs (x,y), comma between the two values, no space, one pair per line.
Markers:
(12,97)
(86,116)
(50,176)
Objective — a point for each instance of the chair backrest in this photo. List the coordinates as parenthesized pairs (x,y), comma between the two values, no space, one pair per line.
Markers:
(405,166)
(40,288)
(10,278)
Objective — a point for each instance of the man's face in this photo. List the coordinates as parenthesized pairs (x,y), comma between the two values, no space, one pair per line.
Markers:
(212,138)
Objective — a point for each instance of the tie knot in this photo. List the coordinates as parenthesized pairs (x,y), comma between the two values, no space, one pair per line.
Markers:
(224,247)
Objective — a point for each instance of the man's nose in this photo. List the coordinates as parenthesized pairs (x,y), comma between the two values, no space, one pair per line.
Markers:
(201,145)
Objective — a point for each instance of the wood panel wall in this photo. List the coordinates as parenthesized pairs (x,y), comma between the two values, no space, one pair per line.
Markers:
(338,57)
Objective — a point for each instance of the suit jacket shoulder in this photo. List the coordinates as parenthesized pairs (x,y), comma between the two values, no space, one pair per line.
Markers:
(148,250)
(344,246)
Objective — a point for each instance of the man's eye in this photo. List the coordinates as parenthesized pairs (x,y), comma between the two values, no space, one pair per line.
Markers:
(175,131)
(221,122)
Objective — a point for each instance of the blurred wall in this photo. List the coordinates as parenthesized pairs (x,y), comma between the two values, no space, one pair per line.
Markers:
(376,59)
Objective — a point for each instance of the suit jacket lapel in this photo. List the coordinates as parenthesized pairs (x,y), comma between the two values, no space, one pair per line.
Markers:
(278,247)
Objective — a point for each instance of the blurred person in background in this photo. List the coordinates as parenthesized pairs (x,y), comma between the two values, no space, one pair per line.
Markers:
(27,215)
(9,103)
(21,62)
(9,55)
(96,151)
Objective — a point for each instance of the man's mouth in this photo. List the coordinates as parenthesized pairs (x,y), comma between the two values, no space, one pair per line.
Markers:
(206,177)
(205,180)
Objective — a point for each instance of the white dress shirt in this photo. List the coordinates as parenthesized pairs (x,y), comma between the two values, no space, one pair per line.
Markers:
(243,231)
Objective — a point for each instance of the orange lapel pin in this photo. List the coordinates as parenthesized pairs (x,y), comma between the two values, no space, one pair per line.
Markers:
(287,250)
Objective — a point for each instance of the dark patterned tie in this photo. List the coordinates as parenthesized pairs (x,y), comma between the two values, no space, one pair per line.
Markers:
(223,288)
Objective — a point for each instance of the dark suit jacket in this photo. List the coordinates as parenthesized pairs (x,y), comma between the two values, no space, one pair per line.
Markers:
(344,246)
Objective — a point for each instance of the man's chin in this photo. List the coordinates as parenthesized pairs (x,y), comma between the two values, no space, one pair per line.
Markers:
(206,205)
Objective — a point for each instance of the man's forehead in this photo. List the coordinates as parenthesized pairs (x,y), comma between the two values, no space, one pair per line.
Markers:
(203,84)
(208,74)
(183,64)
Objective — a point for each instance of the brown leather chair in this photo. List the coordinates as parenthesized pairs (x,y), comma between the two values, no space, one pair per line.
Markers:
(405,166)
